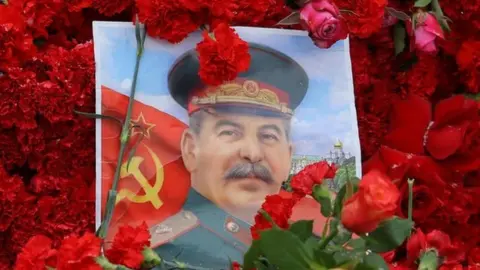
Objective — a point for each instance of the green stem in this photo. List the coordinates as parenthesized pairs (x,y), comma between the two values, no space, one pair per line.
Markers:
(180,265)
(124,137)
(410,198)
(324,242)
(325,227)
(268,218)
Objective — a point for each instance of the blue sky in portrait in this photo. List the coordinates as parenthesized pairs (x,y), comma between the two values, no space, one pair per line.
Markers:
(326,114)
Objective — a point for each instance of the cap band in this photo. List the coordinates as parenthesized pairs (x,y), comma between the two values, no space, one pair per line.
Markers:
(238,92)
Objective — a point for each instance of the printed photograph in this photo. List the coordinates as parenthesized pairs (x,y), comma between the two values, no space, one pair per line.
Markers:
(203,158)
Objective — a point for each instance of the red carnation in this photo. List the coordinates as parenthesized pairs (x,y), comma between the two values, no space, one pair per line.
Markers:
(110,7)
(363,17)
(419,243)
(236,266)
(313,174)
(16,44)
(168,19)
(36,254)
(260,12)
(377,200)
(280,210)
(79,253)
(128,245)
(222,55)
(468,60)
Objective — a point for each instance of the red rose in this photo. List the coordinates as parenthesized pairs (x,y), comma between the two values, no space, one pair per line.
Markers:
(426,32)
(322,20)
(222,56)
(36,254)
(280,210)
(419,242)
(376,200)
(451,135)
(128,245)
(79,253)
(313,174)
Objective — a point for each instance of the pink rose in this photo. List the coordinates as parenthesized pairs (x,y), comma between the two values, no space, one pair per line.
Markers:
(322,20)
(427,29)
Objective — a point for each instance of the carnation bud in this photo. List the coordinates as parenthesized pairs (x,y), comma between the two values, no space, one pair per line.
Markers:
(429,260)
(150,258)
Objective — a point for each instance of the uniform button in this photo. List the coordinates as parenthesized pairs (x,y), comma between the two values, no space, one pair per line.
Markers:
(187,215)
(233,227)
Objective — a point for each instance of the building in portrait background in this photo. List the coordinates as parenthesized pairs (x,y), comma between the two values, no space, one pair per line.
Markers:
(344,161)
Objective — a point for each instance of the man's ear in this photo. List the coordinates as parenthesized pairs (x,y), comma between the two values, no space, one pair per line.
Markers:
(189,150)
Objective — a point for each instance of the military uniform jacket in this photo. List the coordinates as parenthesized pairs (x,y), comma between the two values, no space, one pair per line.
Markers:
(202,235)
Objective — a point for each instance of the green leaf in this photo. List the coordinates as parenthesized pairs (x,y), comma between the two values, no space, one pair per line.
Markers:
(312,242)
(284,249)
(252,254)
(346,257)
(338,204)
(343,234)
(322,194)
(439,14)
(260,266)
(99,116)
(422,3)
(372,261)
(389,235)
(397,14)
(324,258)
(343,194)
(303,229)
(293,18)
(473,96)
(357,244)
(399,34)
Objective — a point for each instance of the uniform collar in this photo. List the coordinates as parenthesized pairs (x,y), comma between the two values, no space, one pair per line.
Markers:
(216,219)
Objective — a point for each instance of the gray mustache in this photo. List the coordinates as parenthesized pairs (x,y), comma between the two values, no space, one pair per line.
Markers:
(246,170)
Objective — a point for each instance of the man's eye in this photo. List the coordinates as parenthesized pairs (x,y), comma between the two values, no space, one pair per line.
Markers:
(228,133)
(269,137)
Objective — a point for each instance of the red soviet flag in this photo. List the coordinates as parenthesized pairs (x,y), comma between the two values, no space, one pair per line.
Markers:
(155,184)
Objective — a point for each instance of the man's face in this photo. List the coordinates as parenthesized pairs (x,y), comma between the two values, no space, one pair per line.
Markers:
(235,160)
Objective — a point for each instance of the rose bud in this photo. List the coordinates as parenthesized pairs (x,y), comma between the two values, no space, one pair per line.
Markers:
(427,30)
(376,200)
(322,20)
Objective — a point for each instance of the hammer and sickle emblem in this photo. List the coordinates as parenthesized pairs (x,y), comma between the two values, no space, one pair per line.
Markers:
(151,192)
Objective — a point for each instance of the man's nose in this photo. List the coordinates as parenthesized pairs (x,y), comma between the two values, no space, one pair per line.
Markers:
(251,151)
